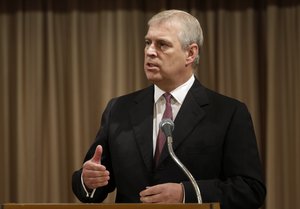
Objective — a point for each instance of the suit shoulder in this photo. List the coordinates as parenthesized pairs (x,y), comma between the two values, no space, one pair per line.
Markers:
(222,99)
(133,97)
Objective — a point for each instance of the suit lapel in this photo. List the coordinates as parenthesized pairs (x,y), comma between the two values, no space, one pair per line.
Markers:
(189,115)
(141,116)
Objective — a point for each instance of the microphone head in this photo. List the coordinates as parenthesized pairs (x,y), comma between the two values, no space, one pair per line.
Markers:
(167,126)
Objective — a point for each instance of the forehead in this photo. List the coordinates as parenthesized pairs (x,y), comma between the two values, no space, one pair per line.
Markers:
(164,30)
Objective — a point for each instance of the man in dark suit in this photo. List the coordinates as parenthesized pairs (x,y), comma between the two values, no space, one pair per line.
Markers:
(213,136)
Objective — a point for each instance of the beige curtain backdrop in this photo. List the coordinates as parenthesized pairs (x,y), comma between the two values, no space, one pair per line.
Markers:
(61,62)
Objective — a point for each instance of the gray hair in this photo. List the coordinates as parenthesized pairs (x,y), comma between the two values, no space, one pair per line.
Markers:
(191,31)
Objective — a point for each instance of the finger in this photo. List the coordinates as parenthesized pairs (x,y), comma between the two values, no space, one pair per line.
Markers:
(95,174)
(100,184)
(96,184)
(150,191)
(156,198)
(89,165)
(97,155)
(97,181)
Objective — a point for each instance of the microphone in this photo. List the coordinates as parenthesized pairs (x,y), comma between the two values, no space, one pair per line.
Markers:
(167,126)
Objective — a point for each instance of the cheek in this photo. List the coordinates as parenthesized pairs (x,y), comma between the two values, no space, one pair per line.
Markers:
(175,63)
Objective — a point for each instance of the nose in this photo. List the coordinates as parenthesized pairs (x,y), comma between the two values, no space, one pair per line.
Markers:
(150,50)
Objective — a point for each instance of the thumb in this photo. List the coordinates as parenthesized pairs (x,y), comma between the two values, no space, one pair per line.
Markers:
(97,155)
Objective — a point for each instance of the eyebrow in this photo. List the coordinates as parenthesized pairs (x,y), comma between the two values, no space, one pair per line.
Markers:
(160,40)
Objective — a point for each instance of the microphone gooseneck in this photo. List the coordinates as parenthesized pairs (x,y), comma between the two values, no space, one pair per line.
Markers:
(167,126)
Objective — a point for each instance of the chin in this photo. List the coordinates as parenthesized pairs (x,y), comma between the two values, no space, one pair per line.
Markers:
(153,78)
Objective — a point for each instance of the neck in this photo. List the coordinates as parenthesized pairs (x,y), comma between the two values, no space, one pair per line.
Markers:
(170,86)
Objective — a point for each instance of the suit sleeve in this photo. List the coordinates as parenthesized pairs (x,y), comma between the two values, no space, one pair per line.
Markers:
(240,184)
(102,139)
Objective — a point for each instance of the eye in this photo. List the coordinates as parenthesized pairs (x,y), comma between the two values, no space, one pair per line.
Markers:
(147,43)
(163,45)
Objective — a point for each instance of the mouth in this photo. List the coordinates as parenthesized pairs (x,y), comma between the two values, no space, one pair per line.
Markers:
(151,66)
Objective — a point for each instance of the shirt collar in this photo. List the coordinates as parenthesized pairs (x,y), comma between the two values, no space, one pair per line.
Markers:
(179,93)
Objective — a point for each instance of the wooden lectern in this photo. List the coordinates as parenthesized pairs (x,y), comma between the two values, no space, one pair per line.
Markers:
(110,206)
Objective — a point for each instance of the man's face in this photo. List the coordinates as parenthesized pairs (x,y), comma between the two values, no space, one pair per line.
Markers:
(165,61)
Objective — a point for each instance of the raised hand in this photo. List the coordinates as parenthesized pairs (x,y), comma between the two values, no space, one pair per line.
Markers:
(93,173)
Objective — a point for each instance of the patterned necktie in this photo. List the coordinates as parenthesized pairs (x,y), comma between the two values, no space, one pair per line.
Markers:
(161,139)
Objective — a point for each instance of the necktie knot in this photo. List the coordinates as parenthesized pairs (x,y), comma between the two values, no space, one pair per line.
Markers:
(167,96)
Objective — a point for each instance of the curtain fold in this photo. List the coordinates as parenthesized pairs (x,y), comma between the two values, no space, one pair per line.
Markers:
(283,115)
(62,61)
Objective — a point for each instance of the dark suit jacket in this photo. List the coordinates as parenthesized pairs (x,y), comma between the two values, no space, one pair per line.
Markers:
(213,137)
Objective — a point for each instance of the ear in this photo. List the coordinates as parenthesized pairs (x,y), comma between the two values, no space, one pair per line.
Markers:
(191,53)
